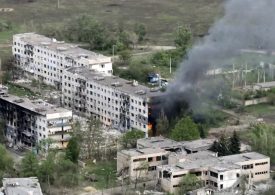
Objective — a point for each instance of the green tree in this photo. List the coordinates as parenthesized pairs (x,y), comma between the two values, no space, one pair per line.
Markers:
(47,169)
(261,138)
(188,183)
(44,146)
(185,129)
(203,130)
(29,165)
(67,173)
(87,29)
(129,139)
(222,147)
(125,56)
(234,143)
(73,149)
(162,124)
(92,139)
(6,162)
(183,38)
(140,30)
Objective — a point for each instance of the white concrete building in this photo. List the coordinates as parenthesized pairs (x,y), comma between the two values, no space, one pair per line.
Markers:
(28,122)
(140,163)
(219,173)
(116,102)
(45,59)
(192,157)
(21,186)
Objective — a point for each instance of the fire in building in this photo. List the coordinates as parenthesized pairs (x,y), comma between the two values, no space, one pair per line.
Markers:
(117,102)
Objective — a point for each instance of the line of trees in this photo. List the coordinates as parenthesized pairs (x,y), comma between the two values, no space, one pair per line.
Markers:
(56,169)
(182,40)
(262,139)
(227,146)
(98,36)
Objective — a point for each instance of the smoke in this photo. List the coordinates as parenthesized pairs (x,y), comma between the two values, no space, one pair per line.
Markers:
(246,24)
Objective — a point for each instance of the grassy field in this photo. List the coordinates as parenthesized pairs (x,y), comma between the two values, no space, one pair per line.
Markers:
(104,173)
(160,16)
(20,91)
(260,109)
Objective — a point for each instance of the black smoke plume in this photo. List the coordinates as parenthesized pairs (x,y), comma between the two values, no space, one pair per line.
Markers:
(246,24)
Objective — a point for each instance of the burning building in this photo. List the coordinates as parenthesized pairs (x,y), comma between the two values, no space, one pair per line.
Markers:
(116,102)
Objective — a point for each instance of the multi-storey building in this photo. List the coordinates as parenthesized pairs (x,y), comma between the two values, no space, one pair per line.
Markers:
(116,102)
(191,157)
(45,59)
(28,122)
(140,163)
(219,173)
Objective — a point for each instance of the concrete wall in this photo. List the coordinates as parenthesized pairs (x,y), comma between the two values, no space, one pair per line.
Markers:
(255,101)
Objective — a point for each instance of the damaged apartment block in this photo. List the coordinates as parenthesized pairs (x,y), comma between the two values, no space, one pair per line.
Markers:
(116,102)
(28,122)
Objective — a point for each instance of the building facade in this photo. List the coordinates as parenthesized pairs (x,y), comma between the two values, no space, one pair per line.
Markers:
(193,157)
(140,163)
(118,103)
(218,173)
(45,59)
(28,122)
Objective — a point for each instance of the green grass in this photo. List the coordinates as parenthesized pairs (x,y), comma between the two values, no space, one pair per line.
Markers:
(105,173)
(260,109)
(161,17)
(20,91)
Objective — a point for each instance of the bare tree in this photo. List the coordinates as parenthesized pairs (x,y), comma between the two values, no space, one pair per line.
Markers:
(93,138)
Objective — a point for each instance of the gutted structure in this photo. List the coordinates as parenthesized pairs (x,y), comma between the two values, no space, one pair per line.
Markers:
(45,59)
(218,173)
(140,163)
(174,160)
(21,186)
(28,122)
(117,102)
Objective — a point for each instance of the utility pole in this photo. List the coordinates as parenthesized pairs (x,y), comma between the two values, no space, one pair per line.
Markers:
(58,4)
(233,74)
(113,50)
(245,75)
(258,79)
(170,65)
(264,75)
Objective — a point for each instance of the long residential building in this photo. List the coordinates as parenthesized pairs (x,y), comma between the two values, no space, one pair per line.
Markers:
(87,83)
(28,122)
(46,58)
(117,102)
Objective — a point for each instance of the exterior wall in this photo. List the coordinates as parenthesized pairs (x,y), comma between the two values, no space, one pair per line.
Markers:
(224,179)
(112,106)
(255,101)
(28,128)
(47,65)
(257,170)
(59,127)
(141,166)
(171,183)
